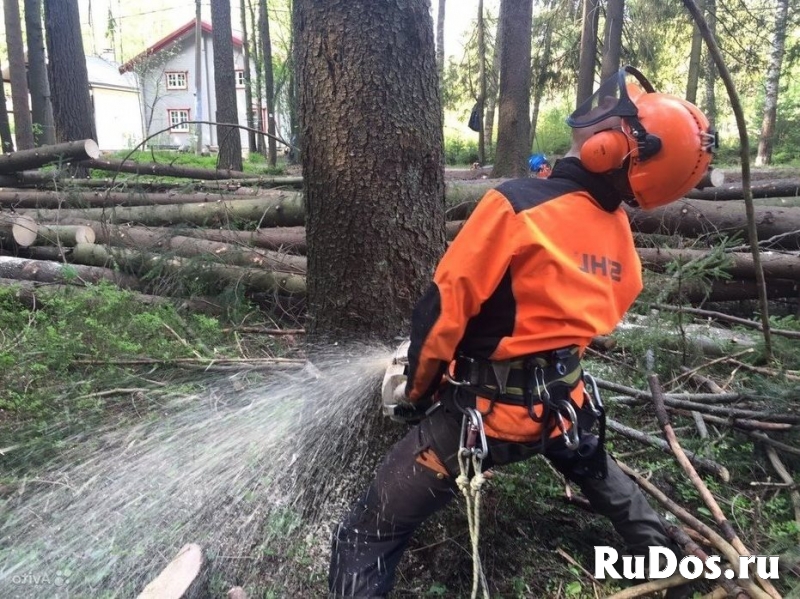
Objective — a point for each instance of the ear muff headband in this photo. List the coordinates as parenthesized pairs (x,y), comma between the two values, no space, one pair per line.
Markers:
(605,151)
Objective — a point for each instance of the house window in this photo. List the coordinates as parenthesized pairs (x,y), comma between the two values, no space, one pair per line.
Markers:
(239,78)
(176,80)
(177,119)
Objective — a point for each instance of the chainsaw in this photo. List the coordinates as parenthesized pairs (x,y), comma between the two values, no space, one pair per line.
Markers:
(394,402)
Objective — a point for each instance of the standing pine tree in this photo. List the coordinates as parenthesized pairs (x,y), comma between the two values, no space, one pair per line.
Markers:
(230,142)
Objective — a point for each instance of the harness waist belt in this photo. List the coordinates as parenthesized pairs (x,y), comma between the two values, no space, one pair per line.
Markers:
(509,381)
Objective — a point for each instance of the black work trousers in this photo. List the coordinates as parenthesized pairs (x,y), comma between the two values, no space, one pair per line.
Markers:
(369,542)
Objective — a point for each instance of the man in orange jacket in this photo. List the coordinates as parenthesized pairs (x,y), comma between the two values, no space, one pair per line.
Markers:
(540,268)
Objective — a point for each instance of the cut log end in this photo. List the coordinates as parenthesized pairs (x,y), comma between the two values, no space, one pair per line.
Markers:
(23,229)
(91,148)
(178,576)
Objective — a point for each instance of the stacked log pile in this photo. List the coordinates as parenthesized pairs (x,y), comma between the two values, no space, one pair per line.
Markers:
(249,231)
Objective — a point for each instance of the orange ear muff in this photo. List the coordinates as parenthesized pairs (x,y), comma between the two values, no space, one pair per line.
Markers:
(605,151)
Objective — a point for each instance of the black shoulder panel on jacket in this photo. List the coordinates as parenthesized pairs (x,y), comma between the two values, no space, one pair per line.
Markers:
(523,194)
(495,321)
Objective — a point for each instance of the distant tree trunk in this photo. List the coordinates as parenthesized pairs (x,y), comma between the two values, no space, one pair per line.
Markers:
(492,90)
(41,108)
(711,68)
(230,143)
(269,80)
(440,48)
(540,71)
(373,161)
(23,127)
(481,82)
(73,113)
(612,38)
(255,52)
(695,58)
(5,130)
(765,142)
(513,131)
(248,90)
(591,15)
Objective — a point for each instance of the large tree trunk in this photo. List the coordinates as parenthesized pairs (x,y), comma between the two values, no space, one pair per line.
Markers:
(41,107)
(612,38)
(773,85)
(591,16)
(269,80)
(36,157)
(255,52)
(69,79)
(228,139)
(368,88)
(513,131)
(775,188)
(23,127)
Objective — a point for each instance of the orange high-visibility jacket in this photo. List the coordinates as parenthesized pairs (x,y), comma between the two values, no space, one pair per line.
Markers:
(539,265)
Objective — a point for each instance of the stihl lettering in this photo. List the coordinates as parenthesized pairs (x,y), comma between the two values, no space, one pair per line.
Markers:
(600,265)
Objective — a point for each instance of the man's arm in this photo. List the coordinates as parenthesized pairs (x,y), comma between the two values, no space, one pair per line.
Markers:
(466,277)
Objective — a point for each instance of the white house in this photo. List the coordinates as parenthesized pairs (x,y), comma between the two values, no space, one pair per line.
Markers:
(168,81)
(115,102)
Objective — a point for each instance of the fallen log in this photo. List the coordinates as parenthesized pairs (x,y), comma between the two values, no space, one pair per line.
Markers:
(694,218)
(17,229)
(272,209)
(177,577)
(141,262)
(29,293)
(727,318)
(739,264)
(36,157)
(164,170)
(226,253)
(283,239)
(45,271)
(72,198)
(64,235)
(780,188)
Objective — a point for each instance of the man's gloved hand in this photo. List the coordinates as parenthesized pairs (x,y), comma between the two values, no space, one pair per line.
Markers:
(405,410)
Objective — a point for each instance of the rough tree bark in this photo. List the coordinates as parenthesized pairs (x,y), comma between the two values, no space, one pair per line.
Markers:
(440,48)
(69,80)
(375,207)
(255,52)
(513,131)
(481,83)
(695,58)
(41,107)
(230,144)
(23,127)
(492,87)
(711,69)
(764,155)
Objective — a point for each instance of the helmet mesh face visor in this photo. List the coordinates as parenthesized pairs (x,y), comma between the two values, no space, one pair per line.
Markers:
(610,100)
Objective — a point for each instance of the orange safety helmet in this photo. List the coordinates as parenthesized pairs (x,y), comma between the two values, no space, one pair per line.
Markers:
(664,142)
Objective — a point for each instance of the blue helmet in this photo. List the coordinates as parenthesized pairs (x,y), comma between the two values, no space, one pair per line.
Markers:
(537,162)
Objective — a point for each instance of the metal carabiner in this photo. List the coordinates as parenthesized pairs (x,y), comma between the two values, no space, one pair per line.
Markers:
(571,435)
(472,432)
(453,381)
(592,394)
(541,386)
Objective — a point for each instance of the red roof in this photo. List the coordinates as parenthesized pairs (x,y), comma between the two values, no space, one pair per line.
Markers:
(171,38)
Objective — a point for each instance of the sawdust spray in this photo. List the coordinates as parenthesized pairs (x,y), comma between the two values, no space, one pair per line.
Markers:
(226,469)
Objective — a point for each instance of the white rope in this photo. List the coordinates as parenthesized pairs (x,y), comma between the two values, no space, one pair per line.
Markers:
(471,488)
